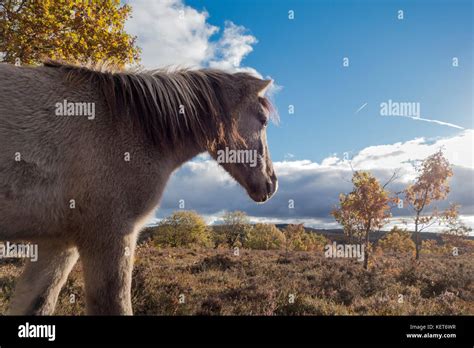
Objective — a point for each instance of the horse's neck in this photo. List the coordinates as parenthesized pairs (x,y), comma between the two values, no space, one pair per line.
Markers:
(147,180)
(157,162)
(184,151)
(189,146)
(171,158)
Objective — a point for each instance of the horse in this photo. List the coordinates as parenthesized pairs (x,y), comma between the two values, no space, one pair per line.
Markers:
(87,152)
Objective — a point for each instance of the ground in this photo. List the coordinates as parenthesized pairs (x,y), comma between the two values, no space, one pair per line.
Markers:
(179,281)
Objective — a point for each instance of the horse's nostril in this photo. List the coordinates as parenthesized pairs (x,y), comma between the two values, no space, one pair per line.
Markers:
(273,177)
(269,186)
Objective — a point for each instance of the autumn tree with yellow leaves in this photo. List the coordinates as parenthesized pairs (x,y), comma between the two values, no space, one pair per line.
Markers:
(76,31)
(365,209)
(430,185)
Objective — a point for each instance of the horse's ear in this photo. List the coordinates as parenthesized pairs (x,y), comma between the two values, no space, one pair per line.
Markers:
(252,85)
(263,86)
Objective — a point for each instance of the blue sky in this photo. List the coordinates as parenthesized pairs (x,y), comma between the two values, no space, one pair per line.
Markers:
(407,60)
(404,60)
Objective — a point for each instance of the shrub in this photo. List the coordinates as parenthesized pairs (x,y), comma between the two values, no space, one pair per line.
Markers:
(397,241)
(313,241)
(233,230)
(432,247)
(298,239)
(460,242)
(183,228)
(264,237)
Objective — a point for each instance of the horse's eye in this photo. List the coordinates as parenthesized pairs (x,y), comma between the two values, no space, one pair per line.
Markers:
(264,122)
(265,104)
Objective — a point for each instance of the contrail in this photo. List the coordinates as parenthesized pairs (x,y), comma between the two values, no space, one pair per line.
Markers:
(434,121)
(442,123)
(363,106)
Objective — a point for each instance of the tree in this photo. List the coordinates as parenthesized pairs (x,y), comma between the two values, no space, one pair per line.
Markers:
(368,207)
(351,224)
(431,184)
(235,227)
(183,228)
(77,31)
(264,237)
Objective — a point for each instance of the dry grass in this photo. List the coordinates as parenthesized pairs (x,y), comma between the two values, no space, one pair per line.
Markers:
(215,282)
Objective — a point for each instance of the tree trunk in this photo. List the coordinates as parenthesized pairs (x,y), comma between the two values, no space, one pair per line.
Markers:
(366,251)
(417,238)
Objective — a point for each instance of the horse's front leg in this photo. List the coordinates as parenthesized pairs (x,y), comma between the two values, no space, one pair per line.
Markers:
(38,288)
(108,265)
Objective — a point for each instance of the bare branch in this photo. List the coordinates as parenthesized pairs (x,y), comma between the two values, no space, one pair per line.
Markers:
(435,220)
(392,178)
(23,2)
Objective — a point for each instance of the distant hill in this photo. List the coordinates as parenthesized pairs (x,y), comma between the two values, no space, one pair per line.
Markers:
(338,234)
(332,234)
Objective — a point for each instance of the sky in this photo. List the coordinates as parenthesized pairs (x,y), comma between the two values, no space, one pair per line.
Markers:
(423,55)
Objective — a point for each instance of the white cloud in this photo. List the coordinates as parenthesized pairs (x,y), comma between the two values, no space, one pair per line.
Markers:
(457,149)
(234,45)
(171,33)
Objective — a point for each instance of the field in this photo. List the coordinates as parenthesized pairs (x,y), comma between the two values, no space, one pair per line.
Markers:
(206,281)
